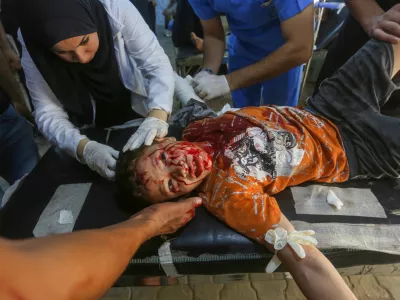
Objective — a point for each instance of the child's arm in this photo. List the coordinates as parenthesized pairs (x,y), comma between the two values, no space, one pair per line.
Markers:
(315,275)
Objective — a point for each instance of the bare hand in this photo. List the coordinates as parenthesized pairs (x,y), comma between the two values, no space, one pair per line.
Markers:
(13,60)
(168,217)
(154,3)
(386,27)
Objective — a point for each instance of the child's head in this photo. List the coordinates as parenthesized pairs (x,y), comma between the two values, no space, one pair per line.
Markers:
(162,171)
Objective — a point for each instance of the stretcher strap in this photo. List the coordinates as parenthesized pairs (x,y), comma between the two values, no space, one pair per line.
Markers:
(166,262)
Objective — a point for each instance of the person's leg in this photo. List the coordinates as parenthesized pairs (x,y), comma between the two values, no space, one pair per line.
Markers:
(250,96)
(18,151)
(283,90)
(352,99)
(349,40)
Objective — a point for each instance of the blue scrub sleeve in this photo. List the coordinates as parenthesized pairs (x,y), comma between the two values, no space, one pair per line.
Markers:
(203,9)
(289,8)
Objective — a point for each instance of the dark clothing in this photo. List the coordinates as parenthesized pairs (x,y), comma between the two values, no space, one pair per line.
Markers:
(152,16)
(142,7)
(350,39)
(18,151)
(8,17)
(387,4)
(352,99)
(4,101)
(186,21)
(46,22)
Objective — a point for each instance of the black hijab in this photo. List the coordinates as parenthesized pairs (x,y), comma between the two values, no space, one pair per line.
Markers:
(44,23)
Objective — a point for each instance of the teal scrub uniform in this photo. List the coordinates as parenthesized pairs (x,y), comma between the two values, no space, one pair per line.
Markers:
(256,33)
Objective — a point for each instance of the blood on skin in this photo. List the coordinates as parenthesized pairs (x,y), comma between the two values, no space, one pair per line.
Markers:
(177,153)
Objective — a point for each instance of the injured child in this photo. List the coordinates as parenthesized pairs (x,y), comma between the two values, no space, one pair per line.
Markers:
(237,161)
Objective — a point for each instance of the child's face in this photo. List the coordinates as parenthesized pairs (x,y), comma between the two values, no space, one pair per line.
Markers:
(171,169)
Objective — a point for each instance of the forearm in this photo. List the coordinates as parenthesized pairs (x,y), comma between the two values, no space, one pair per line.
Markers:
(214,49)
(278,62)
(88,262)
(315,275)
(364,11)
(81,147)
(159,114)
(57,128)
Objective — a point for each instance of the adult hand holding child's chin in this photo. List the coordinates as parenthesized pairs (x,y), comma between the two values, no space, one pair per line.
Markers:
(167,217)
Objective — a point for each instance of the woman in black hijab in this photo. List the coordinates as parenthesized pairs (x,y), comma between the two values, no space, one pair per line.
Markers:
(99,64)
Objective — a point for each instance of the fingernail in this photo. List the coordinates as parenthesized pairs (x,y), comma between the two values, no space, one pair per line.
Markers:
(198,202)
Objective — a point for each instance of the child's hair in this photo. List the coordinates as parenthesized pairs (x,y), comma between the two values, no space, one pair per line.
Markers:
(130,185)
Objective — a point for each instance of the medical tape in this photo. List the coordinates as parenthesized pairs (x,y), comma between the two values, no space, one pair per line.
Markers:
(68,198)
(166,262)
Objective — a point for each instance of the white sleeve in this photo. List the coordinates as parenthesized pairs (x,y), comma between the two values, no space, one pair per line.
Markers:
(50,116)
(143,46)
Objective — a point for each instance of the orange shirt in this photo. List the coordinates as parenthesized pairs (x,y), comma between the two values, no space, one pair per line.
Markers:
(258,152)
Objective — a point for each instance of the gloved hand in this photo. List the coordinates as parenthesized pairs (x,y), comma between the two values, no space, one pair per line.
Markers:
(184,90)
(211,86)
(201,74)
(101,158)
(147,131)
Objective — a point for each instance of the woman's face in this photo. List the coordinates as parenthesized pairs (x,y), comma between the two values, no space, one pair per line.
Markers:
(79,49)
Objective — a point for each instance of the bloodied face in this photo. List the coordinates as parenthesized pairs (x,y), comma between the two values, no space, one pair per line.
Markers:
(171,169)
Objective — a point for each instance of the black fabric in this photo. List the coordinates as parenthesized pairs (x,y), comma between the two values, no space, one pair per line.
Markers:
(4,101)
(141,6)
(387,4)
(186,21)
(350,39)
(45,23)
(152,16)
(352,98)
(8,17)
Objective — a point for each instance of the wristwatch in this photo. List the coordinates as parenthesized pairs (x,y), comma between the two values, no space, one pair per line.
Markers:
(208,70)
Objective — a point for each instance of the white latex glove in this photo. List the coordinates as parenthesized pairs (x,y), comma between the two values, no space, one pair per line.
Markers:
(201,74)
(211,86)
(147,131)
(184,90)
(101,158)
(279,237)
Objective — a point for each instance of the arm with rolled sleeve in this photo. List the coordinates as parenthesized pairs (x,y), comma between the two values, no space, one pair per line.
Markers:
(142,45)
(297,25)
(50,116)
(214,35)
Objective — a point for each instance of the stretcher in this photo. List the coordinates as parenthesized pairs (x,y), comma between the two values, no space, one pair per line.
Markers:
(62,195)
(189,61)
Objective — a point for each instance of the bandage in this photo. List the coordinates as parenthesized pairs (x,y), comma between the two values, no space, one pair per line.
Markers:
(279,237)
